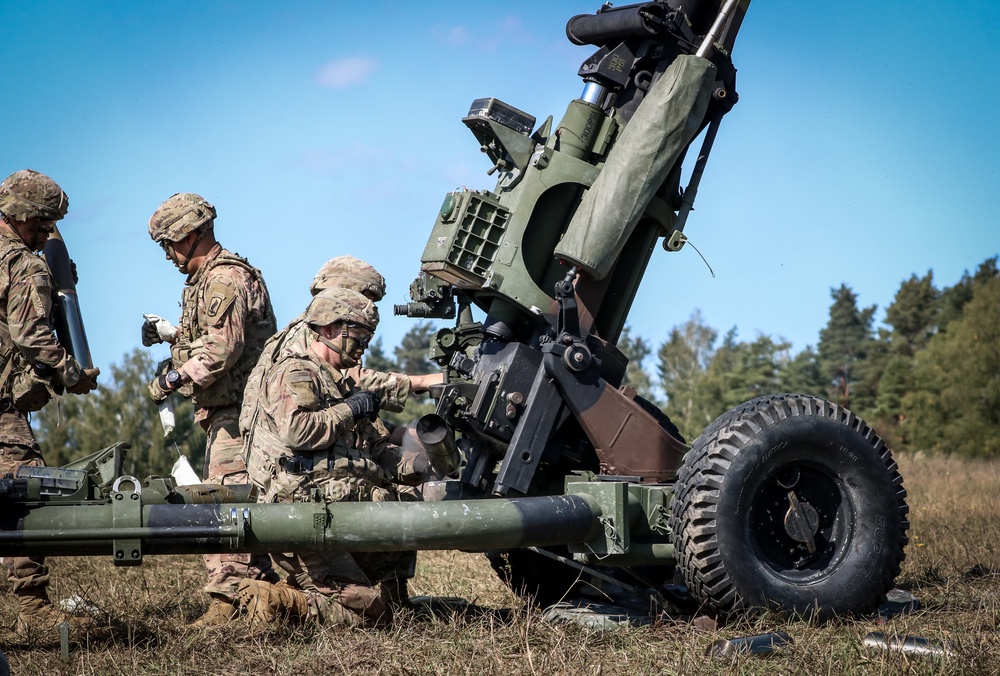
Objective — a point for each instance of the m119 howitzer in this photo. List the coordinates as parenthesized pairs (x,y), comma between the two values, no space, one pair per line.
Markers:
(787,501)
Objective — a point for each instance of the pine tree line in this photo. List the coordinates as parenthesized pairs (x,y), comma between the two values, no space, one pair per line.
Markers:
(928,380)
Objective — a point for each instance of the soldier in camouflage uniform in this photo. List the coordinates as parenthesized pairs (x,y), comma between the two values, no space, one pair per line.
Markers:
(33,365)
(392,390)
(226,318)
(311,435)
(348,272)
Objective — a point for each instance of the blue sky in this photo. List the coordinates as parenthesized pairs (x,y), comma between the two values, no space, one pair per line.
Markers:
(863,148)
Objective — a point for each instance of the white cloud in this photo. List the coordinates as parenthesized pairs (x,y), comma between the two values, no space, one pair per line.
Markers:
(346,72)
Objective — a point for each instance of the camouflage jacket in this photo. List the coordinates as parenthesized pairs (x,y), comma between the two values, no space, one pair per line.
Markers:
(226,318)
(299,410)
(391,388)
(26,312)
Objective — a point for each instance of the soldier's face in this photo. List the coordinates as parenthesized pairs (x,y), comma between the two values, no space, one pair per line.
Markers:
(177,252)
(35,232)
(343,346)
(361,334)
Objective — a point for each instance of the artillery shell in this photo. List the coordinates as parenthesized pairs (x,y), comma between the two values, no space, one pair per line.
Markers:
(760,644)
(913,645)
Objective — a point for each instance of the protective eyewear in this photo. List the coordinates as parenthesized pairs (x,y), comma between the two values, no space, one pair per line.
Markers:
(360,333)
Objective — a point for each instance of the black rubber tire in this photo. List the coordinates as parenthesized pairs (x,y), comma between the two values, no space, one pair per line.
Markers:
(731,498)
(661,417)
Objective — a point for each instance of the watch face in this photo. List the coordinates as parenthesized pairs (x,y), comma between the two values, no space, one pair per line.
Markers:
(173,377)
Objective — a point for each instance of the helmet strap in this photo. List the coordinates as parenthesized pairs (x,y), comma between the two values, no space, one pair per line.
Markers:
(182,265)
(346,348)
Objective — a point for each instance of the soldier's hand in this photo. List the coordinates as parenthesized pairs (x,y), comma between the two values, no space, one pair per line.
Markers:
(156,329)
(86,383)
(156,390)
(363,404)
(150,336)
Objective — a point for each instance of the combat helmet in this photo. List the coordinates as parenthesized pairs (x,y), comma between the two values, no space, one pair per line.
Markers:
(348,272)
(334,305)
(180,215)
(28,194)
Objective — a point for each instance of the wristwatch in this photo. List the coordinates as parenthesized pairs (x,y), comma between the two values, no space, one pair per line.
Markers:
(173,379)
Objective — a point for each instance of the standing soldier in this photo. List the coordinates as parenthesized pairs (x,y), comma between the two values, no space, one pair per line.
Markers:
(33,365)
(311,436)
(226,318)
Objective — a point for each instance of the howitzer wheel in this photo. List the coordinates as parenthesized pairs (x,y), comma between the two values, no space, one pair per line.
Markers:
(665,422)
(791,503)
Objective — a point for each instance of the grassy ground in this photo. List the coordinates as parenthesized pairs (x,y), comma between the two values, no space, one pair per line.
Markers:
(952,567)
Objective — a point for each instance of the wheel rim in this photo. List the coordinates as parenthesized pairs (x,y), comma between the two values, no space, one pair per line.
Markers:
(781,531)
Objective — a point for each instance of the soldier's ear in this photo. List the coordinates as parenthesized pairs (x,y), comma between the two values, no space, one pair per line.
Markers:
(330,330)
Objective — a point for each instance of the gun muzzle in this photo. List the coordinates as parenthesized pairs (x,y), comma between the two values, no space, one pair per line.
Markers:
(437,440)
(616,24)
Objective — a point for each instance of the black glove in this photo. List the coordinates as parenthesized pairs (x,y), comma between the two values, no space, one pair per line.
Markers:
(86,383)
(150,336)
(363,404)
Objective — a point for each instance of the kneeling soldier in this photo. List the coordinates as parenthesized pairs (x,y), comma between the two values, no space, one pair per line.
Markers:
(312,436)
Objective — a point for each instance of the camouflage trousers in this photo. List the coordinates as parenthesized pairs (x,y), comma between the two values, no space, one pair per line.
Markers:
(224,465)
(337,580)
(18,448)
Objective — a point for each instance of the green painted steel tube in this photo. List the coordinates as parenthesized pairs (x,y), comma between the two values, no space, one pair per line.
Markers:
(130,530)
(639,554)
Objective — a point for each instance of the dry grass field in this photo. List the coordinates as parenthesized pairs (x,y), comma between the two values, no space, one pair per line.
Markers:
(952,567)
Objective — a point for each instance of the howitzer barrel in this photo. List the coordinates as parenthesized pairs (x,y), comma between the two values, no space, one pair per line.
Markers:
(615,24)
(129,531)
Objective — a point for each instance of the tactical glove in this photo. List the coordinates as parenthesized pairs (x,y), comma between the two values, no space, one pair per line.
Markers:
(363,404)
(150,336)
(157,330)
(86,383)
(157,392)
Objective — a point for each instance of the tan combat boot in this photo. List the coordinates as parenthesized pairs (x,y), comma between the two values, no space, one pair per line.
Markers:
(220,611)
(271,604)
(37,614)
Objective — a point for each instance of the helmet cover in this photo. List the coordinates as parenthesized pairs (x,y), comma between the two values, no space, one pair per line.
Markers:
(334,305)
(181,215)
(28,194)
(348,272)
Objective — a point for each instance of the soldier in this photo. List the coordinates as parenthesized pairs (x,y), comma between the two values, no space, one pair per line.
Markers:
(33,365)
(226,318)
(392,390)
(312,436)
(348,272)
